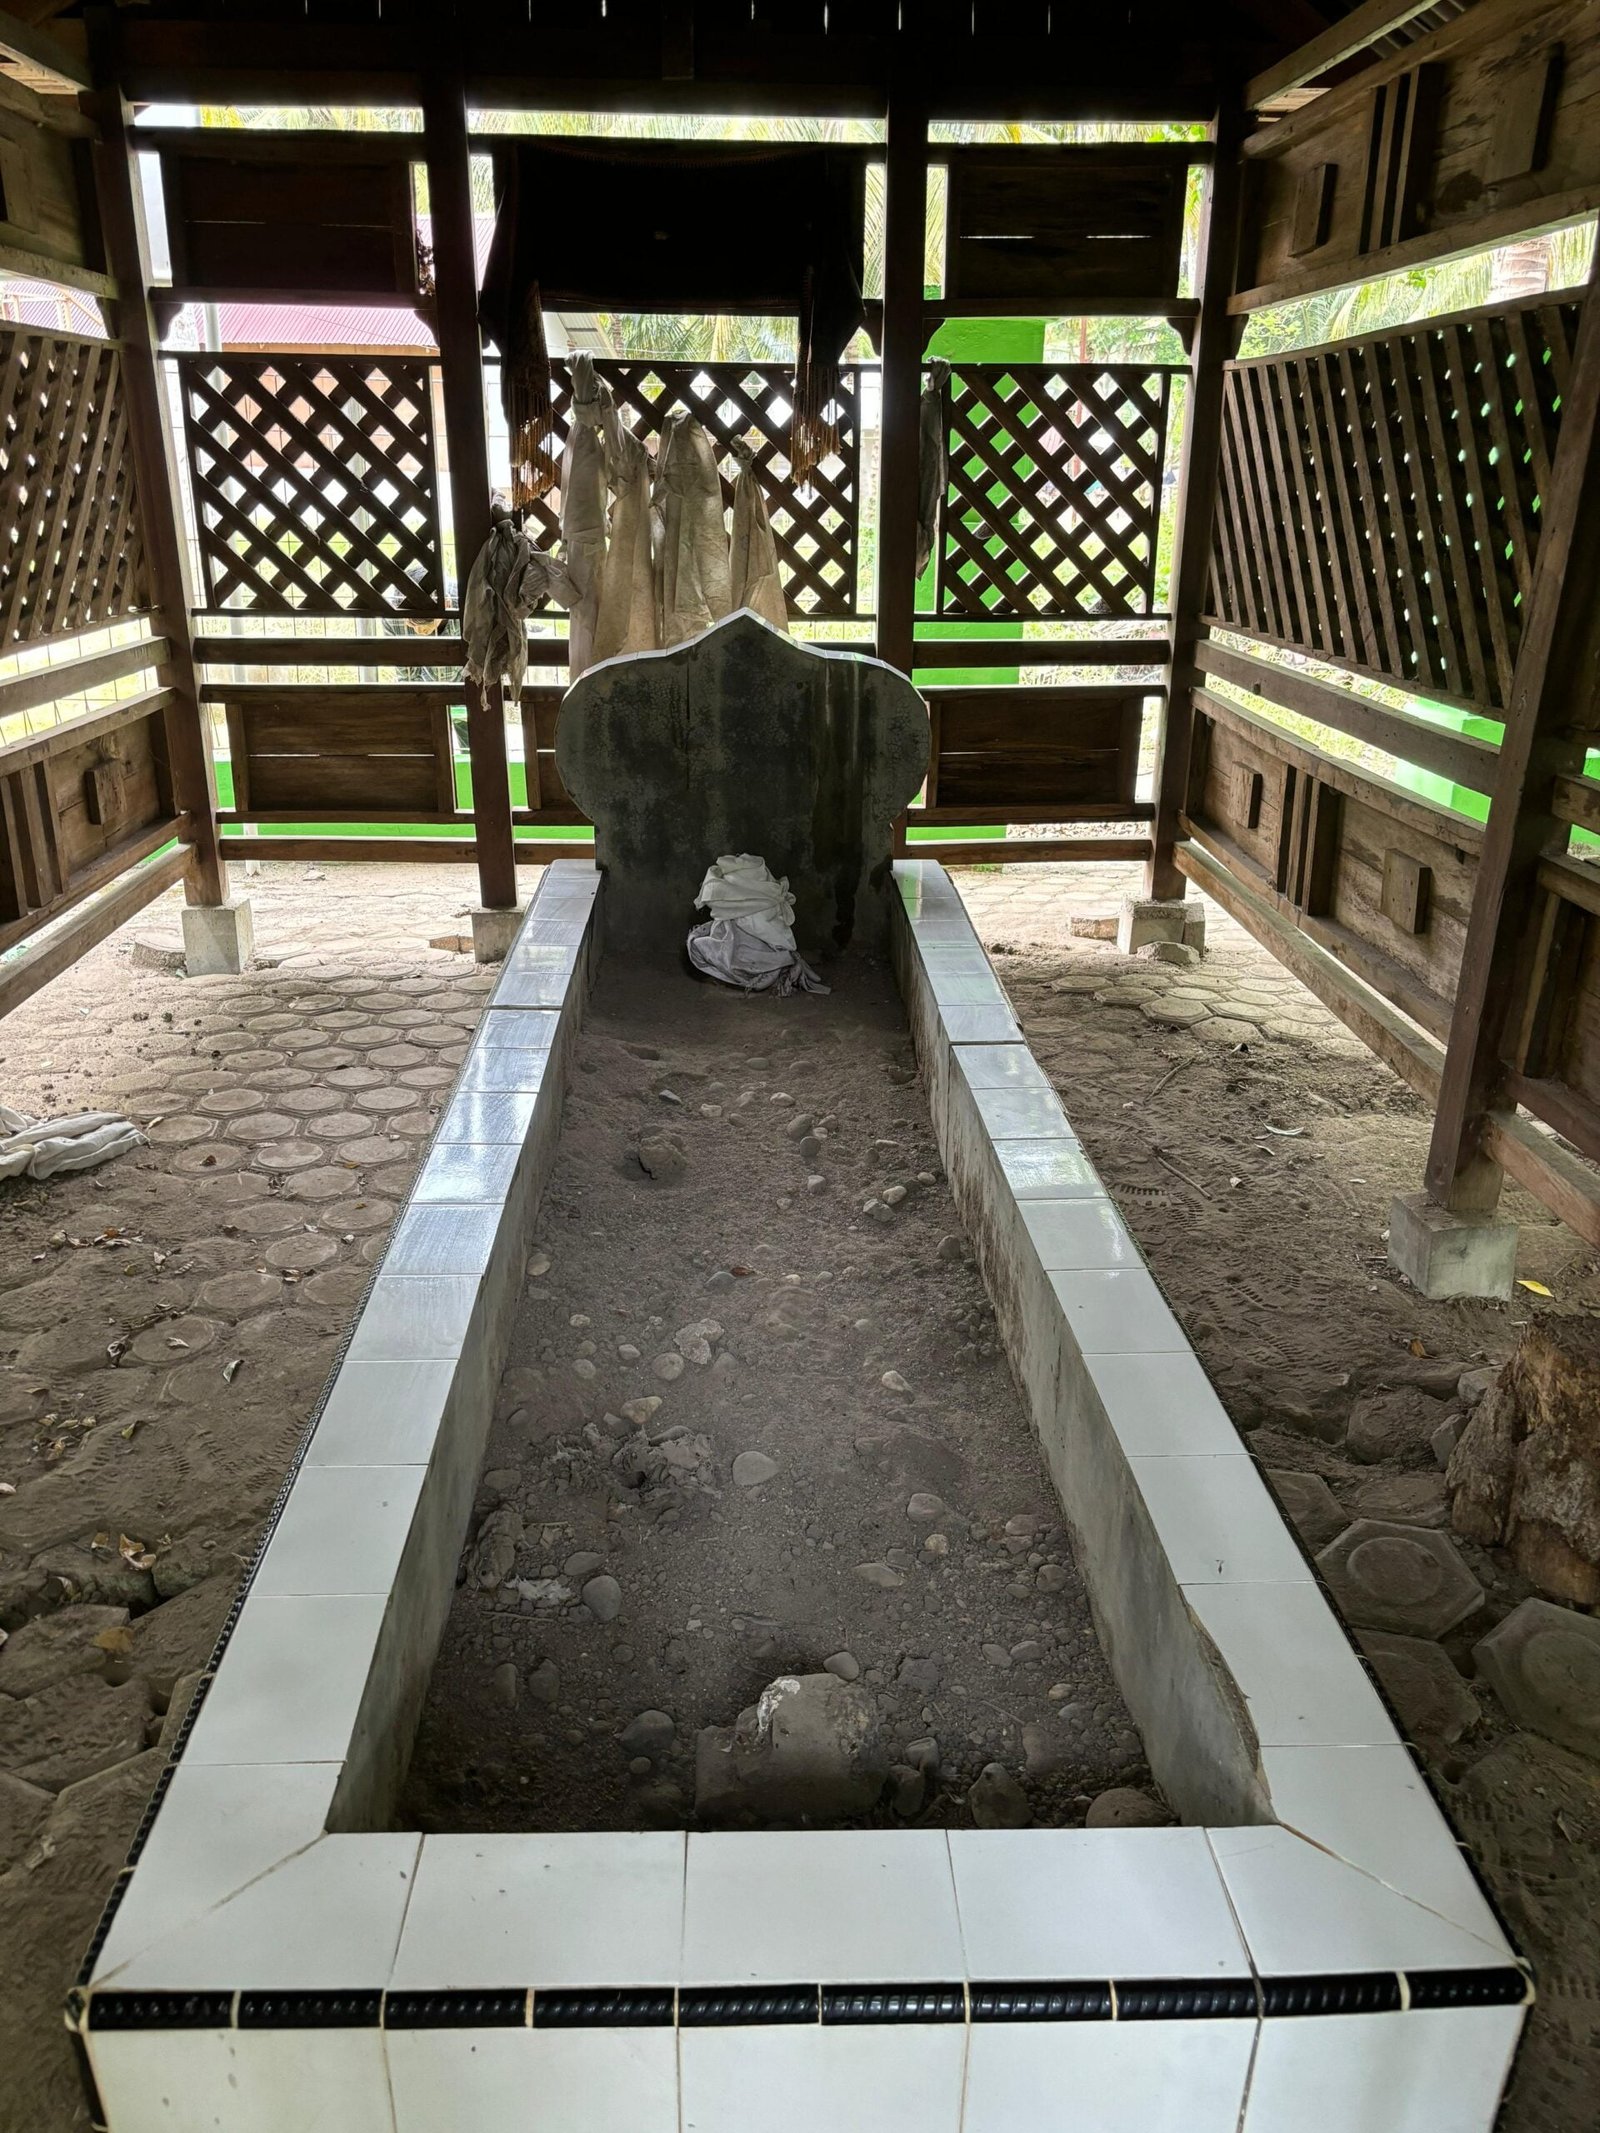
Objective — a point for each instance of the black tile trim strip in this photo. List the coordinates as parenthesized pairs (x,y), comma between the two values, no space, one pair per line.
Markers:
(310,2010)
(623,2007)
(1505,1986)
(161,2010)
(1186,1999)
(894,2003)
(1087,2000)
(1355,1992)
(735,2006)
(456,2010)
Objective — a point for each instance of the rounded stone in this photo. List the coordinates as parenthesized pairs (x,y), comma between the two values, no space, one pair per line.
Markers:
(1543,1662)
(302,1254)
(1125,1807)
(234,1295)
(1431,1698)
(603,1598)
(751,1469)
(1309,1504)
(1407,1579)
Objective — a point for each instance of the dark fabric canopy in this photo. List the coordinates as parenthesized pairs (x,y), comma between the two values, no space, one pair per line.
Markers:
(672,227)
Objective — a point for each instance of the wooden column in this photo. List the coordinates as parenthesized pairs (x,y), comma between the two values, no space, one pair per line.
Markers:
(127,252)
(1197,491)
(904,336)
(455,281)
(1551,721)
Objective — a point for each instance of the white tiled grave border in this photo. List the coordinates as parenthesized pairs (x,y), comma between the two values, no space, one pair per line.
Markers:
(1311,1953)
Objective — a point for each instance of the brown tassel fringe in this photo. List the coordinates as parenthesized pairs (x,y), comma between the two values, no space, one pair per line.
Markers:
(813,434)
(525,392)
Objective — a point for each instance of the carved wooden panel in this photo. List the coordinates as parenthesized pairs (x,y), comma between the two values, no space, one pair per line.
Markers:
(315,483)
(1379,499)
(71,547)
(817,529)
(1053,508)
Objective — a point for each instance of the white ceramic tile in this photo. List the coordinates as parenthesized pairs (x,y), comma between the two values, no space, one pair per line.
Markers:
(468,1171)
(479,1116)
(1022,1114)
(1216,1521)
(1162,1404)
(1121,1312)
(979,1023)
(966,985)
(1439,2071)
(384,1413)
(1078,1236)
(290,1681)
(326,1920)
(823,2080)
(1371,1806)
(219,1827)
(527,1029)
(343,1529)
(439,1237)
(243,2081)
(827,1906)
(545,1911)
(414,1317)
(1302,1911)
(1106,2077)
(954,951)
(541,2080)
(1047,1170)
(490,1070)
(520,986)
(1092,1903)
(1000,1066)
(1289,1659)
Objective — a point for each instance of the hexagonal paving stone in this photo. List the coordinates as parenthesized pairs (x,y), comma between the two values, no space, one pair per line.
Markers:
(1220,1029)
(269,1218)
(359,1216)
(1401,1578)
(284,1078)
(308,1102)
(179,1132)
(1309,1504)
(231,1103)
(398,1055)
(1543,1662)
(1174,1014)
(166,1341)
(262,1126)
(233,1188)
(1429,1695)
(326,1182)
(234,1295)
(369,1149)
(328,1056)
(205,1159)
(429,1077)
(382,1100)
(395,1179)
(351,1078)
(302,1254)
(287,1155)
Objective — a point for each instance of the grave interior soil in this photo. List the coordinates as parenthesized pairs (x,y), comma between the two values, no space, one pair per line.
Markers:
(964,1612)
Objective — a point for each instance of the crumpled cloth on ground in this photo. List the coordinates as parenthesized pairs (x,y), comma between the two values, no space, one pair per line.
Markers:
(510,580)
(39,1147)
(748,940)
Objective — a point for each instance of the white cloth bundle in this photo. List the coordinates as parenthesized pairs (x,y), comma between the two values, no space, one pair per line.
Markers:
(38,1148)
(748,940)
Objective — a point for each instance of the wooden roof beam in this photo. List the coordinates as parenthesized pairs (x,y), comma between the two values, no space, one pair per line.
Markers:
(42,52)
(1347,38)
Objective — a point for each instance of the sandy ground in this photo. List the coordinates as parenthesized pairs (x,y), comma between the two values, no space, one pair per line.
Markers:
(906,1531)
(287,1109)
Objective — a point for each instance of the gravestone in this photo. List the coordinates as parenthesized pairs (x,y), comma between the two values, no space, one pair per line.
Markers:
(742,740)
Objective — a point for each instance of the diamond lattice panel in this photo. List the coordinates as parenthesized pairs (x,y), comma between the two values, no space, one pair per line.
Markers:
(315,483)
(1054,500)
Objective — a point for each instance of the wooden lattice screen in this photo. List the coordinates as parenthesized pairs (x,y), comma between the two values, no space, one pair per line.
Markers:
(817,530)
(1379,503)
(71,547)
(315,483)
(1053,508)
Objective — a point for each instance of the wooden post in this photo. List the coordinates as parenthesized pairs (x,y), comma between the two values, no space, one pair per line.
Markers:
(205,880)
(904,336)
(1197,492)
(455,282)
(1551,720)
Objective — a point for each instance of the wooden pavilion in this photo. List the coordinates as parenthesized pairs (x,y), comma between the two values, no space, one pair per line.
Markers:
(1391,539)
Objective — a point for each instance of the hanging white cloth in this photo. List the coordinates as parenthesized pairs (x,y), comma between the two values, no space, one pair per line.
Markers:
(509,581)
(692,578)
(626,621)
(933,447)
(748,940)
(753,554)
(583,512)
(39,1148)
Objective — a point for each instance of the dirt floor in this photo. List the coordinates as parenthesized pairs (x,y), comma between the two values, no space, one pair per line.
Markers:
(833,1464)
(286,1112)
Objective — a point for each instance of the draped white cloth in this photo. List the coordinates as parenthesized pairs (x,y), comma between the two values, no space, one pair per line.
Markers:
(748,940)
(693,584)
(583,511)
(39,1147)
(753,553)
(509,581)
(627,618)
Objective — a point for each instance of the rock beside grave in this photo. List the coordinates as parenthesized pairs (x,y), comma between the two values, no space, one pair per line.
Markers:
(1125,1807)
(810,1750)
(997,1800)
(71,1641)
